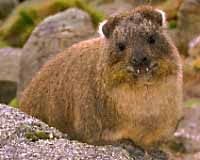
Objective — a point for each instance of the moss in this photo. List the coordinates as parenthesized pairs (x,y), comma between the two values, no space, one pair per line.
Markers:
(99,2)
(166,67)
(172,24)
(19,25)
(3,44)
(117,77)
(192,102)
(177,146)
(37,135)
(95,15)
(14,103)
(196,64)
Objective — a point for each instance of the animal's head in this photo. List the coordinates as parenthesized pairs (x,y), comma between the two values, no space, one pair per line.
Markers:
(137,45)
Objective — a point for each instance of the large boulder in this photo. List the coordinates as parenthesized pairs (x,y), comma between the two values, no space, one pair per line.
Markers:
(188,23)
(110,7)
(6,6)
(9,73)
(52,36)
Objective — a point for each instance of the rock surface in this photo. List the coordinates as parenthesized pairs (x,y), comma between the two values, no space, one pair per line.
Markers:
(188,23)
(23,137)
(9,64)
(192,84)
(8,90)
(6,7)
(110,7)
(194,47)
(146,2)
(9,73)
(191,78)
(15,143)
(189,130)
(187,139)
(52,36)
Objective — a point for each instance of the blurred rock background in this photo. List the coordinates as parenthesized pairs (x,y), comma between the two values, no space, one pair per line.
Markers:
(33,31)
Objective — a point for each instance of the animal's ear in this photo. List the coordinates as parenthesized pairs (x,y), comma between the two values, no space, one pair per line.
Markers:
(106,27)
(161,17)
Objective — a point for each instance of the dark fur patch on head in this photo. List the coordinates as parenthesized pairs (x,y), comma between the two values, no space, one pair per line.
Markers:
(136,16)
(150,13)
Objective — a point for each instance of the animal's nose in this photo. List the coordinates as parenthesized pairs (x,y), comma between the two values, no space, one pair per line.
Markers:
(141,60)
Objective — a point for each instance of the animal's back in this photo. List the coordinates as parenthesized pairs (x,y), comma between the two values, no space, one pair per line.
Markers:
(50,95)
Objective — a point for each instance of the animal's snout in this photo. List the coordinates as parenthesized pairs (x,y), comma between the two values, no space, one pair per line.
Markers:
(142,60)
(141,64)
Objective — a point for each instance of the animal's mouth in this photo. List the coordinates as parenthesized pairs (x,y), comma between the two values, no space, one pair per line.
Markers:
(142,73)
(142,69)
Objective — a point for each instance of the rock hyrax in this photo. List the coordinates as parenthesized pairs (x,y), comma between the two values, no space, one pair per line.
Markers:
(126,84)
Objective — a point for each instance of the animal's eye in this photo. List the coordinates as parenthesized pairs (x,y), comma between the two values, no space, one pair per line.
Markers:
(151,39)
(121,46)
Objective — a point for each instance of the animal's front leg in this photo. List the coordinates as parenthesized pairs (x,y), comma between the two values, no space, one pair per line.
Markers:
(117,137)
(134,151)
(138,153)
(157,154)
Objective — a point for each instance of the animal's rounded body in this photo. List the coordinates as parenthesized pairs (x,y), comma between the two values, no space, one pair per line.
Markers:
(114,87)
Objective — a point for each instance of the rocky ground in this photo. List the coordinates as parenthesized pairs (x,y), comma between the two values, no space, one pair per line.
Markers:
(25,138)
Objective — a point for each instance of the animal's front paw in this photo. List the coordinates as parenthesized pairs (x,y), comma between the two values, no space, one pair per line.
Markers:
(157,155)
(134,151)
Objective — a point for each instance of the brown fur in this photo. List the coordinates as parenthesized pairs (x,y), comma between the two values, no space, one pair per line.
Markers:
(87,92)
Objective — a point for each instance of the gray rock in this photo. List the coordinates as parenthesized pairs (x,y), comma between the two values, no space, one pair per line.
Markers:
(188,23)
(8,90)
(110,7)
(6,7)
(191,85)
(187,141)
(144,2)
(23,137)
(194,47)
(52,36)
(195,156)
(15,144)
(9,64)
(9,73)
(191,70)
(188,133)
